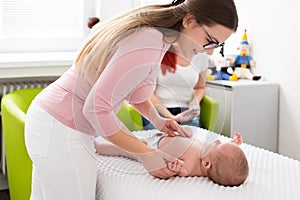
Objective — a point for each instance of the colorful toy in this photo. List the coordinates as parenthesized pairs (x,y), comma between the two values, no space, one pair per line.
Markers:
(221,69)
(243,62)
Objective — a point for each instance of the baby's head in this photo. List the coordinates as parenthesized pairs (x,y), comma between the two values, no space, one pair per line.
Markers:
(226,164)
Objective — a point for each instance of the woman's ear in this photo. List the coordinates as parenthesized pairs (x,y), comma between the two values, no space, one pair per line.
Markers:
(206,164)
(188,20)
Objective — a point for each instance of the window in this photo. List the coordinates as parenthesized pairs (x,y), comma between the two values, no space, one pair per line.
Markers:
(43,25)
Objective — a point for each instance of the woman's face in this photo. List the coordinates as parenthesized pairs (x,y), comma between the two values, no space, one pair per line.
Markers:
(195,37)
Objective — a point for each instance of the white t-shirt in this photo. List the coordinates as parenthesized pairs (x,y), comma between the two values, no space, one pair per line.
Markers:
(176,89)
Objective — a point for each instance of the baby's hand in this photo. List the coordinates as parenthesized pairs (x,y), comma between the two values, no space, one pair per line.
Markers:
(237,138)
(176,166)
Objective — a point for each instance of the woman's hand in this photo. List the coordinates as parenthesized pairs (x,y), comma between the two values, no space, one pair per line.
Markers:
(171,127)
(186,115)
(176,166)
(160,164)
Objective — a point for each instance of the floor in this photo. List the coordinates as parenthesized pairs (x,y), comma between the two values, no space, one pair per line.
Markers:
(4,193)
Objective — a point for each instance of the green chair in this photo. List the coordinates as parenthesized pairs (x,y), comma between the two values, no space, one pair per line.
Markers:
(130,117)
(209,112)
(208,115)
(19,166)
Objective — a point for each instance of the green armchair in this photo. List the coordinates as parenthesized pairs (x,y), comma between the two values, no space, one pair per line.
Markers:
(19,166)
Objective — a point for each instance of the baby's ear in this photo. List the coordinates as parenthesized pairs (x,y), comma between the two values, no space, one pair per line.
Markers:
(206,164)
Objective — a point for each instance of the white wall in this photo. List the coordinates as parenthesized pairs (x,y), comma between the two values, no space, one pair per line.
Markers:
(110,8)
(274,34)
(274,29)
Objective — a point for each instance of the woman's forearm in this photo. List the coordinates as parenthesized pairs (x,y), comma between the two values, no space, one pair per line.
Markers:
(147,109)
(160,107)
(199,89)
(198,95)
(128,142)
(109,149)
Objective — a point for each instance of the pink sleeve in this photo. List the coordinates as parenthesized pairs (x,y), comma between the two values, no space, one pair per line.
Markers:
(134,62)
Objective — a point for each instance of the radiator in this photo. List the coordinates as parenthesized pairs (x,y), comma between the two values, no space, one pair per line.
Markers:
(7,87)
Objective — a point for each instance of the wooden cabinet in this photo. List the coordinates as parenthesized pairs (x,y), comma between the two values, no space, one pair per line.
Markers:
(250,107)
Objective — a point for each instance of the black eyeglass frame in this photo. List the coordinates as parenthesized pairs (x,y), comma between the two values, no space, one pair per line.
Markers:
(211,44)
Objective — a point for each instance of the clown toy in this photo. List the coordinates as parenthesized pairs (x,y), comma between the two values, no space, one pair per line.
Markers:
(243,62)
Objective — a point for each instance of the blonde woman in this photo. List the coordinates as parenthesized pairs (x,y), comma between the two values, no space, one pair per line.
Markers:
(119,61)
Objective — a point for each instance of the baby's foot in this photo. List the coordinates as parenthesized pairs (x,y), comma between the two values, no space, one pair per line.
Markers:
(237,138)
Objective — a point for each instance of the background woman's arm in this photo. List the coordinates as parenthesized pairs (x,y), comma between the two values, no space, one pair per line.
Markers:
(199,89)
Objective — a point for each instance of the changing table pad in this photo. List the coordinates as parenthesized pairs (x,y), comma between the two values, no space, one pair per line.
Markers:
(271,176)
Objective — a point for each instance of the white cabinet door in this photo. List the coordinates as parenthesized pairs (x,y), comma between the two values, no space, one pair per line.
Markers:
(249,107)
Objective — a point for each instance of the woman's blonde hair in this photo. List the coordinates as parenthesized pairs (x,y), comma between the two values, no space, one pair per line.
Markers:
(101,43)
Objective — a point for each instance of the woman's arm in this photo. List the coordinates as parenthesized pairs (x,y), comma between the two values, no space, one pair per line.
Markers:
(199,89)
(161,108)
(154,161)
(108,149)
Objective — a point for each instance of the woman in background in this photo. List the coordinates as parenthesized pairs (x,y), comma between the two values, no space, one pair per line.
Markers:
(178,92)
(119,61)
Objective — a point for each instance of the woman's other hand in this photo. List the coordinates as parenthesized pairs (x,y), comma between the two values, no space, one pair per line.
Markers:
(186,115)
(171,127)
(160,164)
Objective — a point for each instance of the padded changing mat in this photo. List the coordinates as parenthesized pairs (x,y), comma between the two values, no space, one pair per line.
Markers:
(271,176)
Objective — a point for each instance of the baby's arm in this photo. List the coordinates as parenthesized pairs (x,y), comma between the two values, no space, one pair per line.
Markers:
(109,149)
(237,138)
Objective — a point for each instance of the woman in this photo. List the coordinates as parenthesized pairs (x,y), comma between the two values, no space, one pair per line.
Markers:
(177,95)
(119,61)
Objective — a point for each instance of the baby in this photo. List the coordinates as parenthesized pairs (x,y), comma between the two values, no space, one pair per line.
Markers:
(224,163)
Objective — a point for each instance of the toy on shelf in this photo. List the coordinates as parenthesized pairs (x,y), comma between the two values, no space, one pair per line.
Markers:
(243,62)
(221,69)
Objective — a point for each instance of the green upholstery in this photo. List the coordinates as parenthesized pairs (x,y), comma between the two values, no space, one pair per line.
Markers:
(209,112)
(208,115)
(19,166)
(130,117)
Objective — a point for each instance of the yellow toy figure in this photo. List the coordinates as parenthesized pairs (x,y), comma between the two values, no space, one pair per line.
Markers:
(242,63)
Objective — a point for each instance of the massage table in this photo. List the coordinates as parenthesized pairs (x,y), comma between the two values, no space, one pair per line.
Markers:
(271,176)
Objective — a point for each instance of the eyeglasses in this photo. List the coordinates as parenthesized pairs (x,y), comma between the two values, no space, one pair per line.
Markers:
(211,44)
